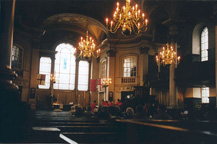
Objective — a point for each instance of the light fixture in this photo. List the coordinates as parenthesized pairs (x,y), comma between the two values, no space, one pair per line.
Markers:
(130,19)
(53,78)
(106,82)
(167,56)
(88,48)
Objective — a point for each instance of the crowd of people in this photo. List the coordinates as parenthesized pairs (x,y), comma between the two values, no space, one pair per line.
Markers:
(110,109)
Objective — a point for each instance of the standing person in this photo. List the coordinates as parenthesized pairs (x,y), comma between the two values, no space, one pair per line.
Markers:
(119,103)
(93,105)
(103,103)
(111,103)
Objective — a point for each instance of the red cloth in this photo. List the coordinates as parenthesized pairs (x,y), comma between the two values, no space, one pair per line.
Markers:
(93,105)
(119,103)
(104,103)
(111,104)
(92,85)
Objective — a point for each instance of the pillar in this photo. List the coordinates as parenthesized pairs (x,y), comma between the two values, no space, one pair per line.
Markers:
(215,16)
(143,64)
(52,72)
(173,99)
(111,72)
(11,107)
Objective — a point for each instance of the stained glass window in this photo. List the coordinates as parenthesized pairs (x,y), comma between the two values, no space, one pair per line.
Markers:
(65,67)
(83,75)
(204,44)
(129,66)
(45,68)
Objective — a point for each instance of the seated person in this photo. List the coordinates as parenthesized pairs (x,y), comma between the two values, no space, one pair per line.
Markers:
(88,113)
(161,113)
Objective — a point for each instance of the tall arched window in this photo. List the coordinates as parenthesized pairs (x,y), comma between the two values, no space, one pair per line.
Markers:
(204,44)
(65,67)
(83,76)
(129,66)
(45,68)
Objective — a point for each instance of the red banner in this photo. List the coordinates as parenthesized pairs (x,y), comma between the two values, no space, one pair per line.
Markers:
(92,85)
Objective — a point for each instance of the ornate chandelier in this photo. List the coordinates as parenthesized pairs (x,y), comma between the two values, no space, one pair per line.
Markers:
(106,82)
(167,57)
(88,48)
(128,18)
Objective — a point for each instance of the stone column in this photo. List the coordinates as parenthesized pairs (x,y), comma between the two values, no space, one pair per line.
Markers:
(173,99)
(12,110)
(7,9)
(215,16)
(76,80)
(111,72)
(143,64)
(52,72)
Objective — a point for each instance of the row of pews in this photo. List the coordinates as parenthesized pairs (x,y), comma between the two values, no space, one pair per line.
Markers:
(63,127)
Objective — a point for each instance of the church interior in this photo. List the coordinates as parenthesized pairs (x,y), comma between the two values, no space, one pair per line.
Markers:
(105,71)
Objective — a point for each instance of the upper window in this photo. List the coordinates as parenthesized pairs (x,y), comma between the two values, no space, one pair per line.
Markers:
(65,67)
(204,44)
(205,95)
(45,68)
(83,75)
(17,54)
(129,66)
(103,69)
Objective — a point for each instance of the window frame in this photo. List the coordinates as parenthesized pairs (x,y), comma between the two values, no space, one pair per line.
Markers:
(47,75)
(205,98)
(21,58)
(105,68)
(136,62)
(206,57)
(88,76)
(57,85)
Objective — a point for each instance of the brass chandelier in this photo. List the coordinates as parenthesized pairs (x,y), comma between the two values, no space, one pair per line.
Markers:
(167,57)
(88,48)
(130,19)
(106,82)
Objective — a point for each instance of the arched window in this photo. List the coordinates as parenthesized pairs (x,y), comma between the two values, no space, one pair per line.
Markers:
(129,66)
(45,68)
(16,57)
(65,67)
(204,44)
(83,76)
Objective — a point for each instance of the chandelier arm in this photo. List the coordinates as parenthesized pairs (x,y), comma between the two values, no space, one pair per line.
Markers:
(115,28)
